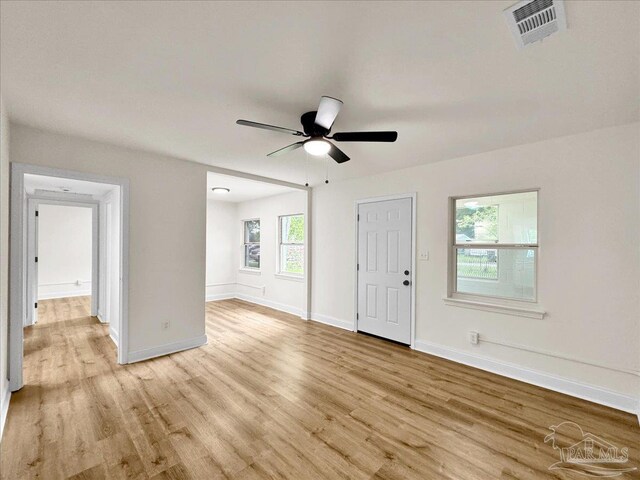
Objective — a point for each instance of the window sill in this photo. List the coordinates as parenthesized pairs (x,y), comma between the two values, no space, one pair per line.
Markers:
(290,276)
(250,271)
(493,307)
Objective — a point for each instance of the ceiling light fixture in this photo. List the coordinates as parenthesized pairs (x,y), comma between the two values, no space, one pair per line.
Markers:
(220,190)
(317,147)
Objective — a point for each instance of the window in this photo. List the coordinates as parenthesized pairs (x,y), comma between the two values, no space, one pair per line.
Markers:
(251,247)
(291,248)
(495,247)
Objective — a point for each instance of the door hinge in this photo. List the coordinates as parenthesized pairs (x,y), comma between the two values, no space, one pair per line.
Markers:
(357,316)
(358,267)
(37,213)
(358,217)
(36,305)
(36,259)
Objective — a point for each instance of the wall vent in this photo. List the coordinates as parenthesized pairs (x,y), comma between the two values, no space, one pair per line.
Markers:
(531,21)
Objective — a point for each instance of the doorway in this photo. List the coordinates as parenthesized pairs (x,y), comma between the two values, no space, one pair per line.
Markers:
(258,242)
(62,252)
(86,264)
(385,267)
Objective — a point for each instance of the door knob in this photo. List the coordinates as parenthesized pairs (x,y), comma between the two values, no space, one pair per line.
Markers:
(406,282)
(406,272)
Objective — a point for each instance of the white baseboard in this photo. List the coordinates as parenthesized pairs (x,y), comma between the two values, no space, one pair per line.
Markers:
(64,294)
(4,402)
(147,353)
(585,391)
(271,304)
(114,335)
(334,322)
(213,297)
(259,301)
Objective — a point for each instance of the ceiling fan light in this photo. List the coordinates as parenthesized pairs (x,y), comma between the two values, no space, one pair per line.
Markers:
(317,147)
(220,190)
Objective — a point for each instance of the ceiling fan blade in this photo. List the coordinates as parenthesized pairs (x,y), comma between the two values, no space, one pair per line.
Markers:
(286,149)
(327,111)
(248,123)
(365,136)
(337,154)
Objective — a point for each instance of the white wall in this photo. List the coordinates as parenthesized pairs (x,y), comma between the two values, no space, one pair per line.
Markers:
(224,240)
(222,249)
(4,263)
(64,251)
(167,231)
(278,291)
(589,260)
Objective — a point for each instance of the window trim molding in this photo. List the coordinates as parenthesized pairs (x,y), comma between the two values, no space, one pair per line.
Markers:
(243,267)
(290,276)
(279,273)
(250,270)
(520,311)
(524,307)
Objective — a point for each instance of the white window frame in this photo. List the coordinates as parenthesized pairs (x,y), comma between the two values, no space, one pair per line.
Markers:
(279,271)
(521,307)
(243,265)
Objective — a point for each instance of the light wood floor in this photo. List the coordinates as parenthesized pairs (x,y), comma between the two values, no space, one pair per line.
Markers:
(272,396)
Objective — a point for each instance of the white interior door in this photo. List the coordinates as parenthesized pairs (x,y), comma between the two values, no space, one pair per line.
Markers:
(384,269)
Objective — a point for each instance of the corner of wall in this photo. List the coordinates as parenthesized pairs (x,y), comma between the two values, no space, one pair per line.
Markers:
(5,393)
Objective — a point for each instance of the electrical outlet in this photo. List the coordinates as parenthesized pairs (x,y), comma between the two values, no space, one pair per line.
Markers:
(165,325)
(424,255)
(473,337)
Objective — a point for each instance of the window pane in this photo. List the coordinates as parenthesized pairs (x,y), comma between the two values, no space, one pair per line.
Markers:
(478,263)
(292,229)
(251,231)
(507,272)
(511,218)
(292,259)
(252,256)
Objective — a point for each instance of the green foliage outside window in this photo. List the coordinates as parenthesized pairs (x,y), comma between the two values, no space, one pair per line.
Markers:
(292,244)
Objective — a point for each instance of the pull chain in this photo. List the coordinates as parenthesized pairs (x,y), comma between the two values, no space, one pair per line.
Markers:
(306,168)
(326,161)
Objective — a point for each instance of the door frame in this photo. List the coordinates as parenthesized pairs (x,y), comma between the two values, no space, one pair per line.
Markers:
(384,198)
(17,267)
(33,203)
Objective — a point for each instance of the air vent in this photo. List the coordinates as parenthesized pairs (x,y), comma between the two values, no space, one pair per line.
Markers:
(531,21)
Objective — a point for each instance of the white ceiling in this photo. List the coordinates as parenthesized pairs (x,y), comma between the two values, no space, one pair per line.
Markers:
(64,185)
(173,77)
(242,189)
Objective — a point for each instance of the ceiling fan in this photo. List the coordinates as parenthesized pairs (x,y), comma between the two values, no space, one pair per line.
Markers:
(317,126)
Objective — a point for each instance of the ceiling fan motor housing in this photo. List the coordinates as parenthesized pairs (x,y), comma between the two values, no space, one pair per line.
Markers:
(310,127)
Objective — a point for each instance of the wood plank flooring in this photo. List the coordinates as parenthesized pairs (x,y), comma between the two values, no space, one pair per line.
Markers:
(272,396)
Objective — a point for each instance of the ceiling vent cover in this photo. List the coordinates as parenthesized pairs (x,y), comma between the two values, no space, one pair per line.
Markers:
(531,21)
